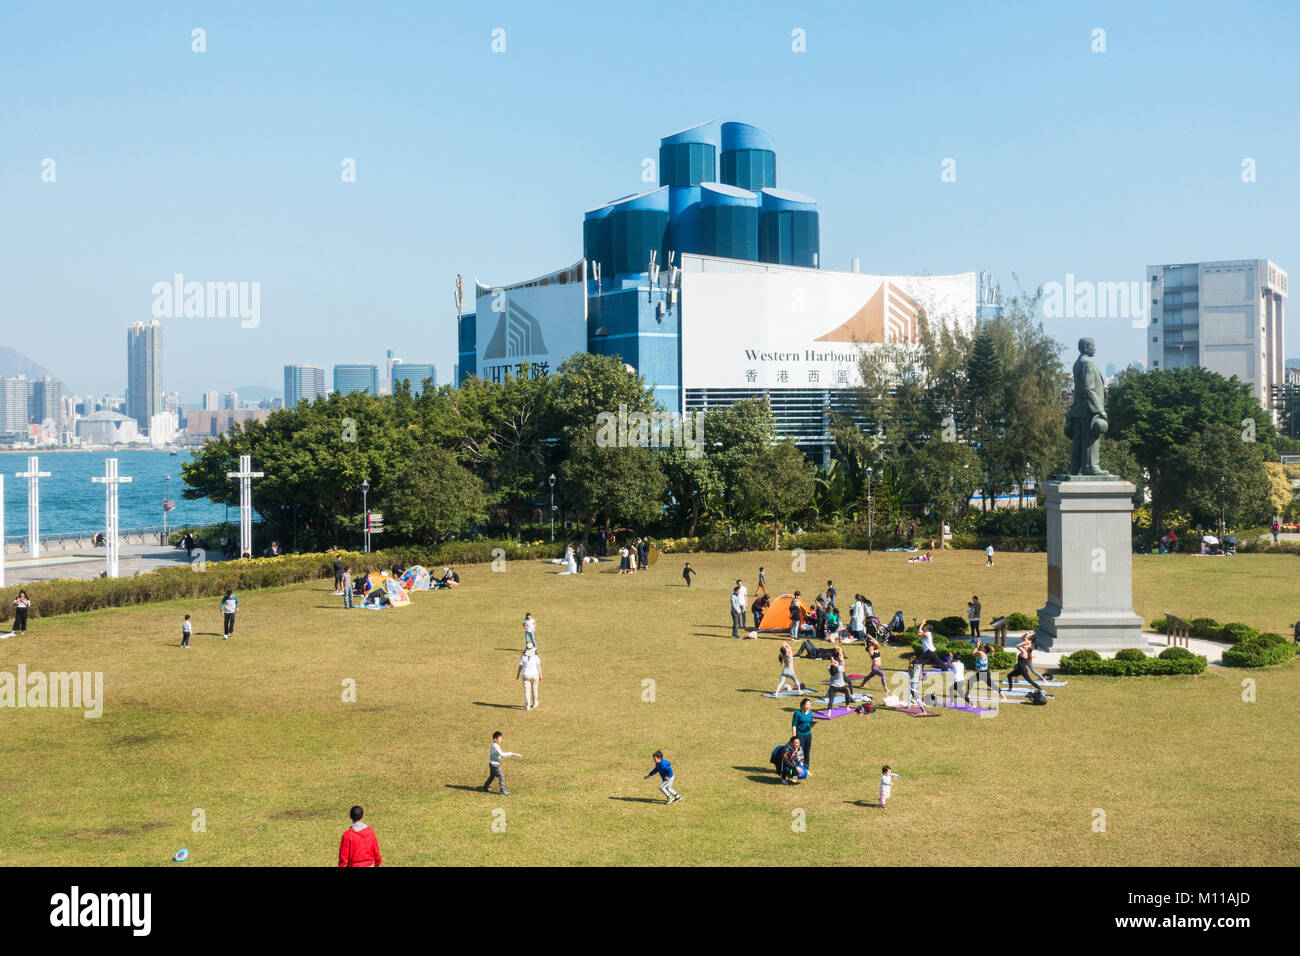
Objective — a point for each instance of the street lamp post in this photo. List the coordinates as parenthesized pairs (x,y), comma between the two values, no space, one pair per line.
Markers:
(552,481)
(870,472)
(365,512)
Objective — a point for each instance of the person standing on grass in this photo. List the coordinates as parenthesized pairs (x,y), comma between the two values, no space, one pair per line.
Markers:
(22,604)
(737,611)
(687,571)
(786,657)
(762,580)
(580,555)
(359,846)
(801,725)
(1023,650)
(530,630)
(495,756)
(973,616)
(873,649)
(838,684)
(744,601)
(830,596)
(229,606)
(858,618)
(666,776)
(186,630)
(914,683)
(928,654)
(982,672)
(338,574)
(530,669)
(1277,528)
(988,552)
(887,778)
(958,679)
(759,608)
(345,583)
(1029,658)
(796,615)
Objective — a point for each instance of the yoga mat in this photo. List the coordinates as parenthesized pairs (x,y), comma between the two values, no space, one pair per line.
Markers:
(914,711)
(969,710)
(793,693)
(991,700)
(832,714)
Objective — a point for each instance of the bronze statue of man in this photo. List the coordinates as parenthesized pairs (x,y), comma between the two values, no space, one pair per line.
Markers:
(1085,422)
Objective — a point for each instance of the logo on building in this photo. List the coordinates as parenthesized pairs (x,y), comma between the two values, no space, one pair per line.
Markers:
(890,315)
(517,333)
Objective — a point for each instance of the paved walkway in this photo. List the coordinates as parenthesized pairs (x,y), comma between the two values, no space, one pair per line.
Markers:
(1155,643)
(91,563)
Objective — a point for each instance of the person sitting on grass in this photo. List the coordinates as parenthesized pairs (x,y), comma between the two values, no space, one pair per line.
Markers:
(793,761)
(816,653)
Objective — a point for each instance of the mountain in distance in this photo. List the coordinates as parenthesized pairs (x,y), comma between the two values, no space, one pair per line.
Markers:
(14,363)
(255,393)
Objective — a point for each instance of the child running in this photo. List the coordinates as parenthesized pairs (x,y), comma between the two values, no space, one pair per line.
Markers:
(687,571)
(887,778)
(665,771)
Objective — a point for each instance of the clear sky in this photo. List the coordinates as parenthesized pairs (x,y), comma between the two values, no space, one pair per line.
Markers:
(225,165)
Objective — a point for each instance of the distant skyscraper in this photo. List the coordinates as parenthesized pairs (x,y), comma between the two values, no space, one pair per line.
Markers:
(15,404)
(230,401)
(390,361)
(210,400)
(303,382)
(1224,316)
(415,373)
(356,378)
(143,373)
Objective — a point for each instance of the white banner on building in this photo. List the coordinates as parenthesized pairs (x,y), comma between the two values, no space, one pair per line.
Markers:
(541,322)
(802,328)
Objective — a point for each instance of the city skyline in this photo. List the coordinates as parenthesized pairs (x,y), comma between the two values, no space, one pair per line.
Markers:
(1058,166)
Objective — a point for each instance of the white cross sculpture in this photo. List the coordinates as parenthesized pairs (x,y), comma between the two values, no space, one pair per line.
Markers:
(245,476)
(33,474)
(110,481)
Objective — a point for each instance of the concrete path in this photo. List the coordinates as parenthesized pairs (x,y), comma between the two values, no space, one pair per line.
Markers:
(90,563)
(1154,644)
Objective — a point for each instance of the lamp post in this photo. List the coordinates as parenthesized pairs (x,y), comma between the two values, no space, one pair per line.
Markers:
(365,512)
(552,481)
(870,472)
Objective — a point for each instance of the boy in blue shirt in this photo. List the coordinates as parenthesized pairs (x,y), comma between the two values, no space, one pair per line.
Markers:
(665,771)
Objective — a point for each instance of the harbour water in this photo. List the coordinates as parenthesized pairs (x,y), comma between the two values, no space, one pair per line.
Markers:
(71,502)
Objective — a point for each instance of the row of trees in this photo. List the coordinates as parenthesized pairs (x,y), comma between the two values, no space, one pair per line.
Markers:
(928,428)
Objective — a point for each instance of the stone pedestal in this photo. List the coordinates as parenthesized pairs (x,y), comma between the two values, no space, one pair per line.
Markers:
(1089,567)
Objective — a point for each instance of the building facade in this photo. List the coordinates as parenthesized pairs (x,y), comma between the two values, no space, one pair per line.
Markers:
(413,372)
(1226,316)
(356,378)
(303,383)
(144,373)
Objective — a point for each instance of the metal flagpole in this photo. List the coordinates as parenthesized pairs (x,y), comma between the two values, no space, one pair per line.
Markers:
(245,476)
(33,474)
(110,481)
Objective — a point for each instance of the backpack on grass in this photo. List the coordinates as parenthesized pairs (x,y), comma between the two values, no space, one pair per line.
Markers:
(1036,697)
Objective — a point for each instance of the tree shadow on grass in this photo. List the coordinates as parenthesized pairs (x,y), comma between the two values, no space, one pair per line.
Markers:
(637,799)
(484,703)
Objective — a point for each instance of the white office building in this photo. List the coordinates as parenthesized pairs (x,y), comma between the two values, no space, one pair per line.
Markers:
(1224,316)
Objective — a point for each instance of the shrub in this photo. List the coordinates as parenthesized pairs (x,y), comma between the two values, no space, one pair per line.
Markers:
(952,625)
(1174,654)
(1237,632)
(1259,651)
(1089,662)
(1131,654)
(1022,622)
(1160,625)
(1206,627)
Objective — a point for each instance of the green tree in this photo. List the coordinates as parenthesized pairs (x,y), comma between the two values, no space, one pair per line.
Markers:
(1224,477)
(778,486)
(434,496)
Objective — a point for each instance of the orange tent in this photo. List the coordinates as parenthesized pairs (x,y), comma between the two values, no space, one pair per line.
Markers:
(777,615)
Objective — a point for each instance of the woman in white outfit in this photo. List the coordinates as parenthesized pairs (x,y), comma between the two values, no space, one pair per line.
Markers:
(570,565)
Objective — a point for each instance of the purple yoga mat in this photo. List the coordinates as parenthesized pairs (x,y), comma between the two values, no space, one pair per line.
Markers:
(915,711)
(832,714)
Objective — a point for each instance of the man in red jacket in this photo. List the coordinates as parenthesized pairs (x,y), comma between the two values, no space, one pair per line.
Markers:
(359,846)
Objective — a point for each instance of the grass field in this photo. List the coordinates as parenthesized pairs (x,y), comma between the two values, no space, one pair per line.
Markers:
(254,731)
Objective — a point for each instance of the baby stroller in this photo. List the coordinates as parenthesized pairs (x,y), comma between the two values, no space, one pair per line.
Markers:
(896,626)
(1212,545)
(877,630)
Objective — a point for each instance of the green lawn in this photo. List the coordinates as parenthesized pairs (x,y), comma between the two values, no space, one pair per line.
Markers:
(254,730)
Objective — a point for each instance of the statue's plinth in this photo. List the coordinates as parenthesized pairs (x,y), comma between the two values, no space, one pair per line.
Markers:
(1089,566)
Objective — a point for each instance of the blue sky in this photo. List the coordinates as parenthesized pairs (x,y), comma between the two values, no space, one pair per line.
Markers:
(226,165)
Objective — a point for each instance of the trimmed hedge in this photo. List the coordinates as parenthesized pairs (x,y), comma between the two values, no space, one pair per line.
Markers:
(1131,654)
(1022,622)
(1263,650)
(70,596)
(1207,628)
(1090,662)
(961,650)
(1175,654)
